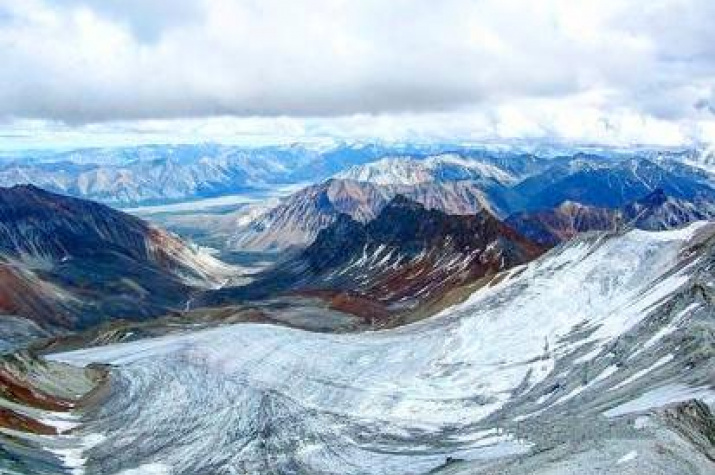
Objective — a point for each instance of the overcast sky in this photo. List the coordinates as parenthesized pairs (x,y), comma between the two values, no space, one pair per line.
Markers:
(612,71)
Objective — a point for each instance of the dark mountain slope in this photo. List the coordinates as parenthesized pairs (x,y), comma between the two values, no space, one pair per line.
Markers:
(656,211)
(407,256)
(659,211)
(552,226)
(606,183)
(67,262)
(295,223)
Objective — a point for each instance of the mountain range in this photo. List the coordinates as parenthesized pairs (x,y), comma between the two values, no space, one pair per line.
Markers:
(296,221)
(600,186)
(655,212)
(157,174)
(427,311)
(407,256)
(595,182)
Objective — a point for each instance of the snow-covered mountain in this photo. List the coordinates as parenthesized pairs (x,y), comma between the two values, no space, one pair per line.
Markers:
(702,157)
(567,365)
(437,168)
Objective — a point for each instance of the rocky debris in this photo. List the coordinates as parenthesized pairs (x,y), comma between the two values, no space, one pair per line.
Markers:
(693,420)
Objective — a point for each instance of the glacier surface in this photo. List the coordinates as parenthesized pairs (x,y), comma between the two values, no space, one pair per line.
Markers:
(253,398)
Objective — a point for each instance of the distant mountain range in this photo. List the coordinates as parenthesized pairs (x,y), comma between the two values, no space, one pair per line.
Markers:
(157,174)
(464,185)
(597,182)
(67,263)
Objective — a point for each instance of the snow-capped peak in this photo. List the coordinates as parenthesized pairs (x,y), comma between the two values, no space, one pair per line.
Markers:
(414,171)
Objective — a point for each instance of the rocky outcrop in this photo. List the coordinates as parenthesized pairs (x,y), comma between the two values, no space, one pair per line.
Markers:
(40,399)
(694,421)
(31,388)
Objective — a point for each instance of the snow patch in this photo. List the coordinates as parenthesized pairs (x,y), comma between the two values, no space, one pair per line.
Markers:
(632,455)
(662,396)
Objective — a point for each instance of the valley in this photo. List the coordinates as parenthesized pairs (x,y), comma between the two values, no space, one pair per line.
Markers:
(464,396)
(359,309)
(328,237)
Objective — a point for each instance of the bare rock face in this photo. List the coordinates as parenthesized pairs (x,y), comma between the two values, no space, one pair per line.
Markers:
(296,222)
(693,420)
(411,254)
(67,262)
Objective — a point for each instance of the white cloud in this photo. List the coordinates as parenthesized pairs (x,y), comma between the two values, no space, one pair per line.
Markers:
(602,70)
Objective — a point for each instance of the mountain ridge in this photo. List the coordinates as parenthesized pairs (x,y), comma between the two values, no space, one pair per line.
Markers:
(298,219)
(405,257)
(68,262)
(656,211)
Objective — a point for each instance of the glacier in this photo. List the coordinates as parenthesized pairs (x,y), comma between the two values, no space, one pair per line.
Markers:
(560,339)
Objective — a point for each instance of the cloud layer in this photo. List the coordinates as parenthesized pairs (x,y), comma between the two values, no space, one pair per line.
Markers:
(502,61)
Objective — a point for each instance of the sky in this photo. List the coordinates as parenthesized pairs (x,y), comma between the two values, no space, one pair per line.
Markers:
(86,72)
